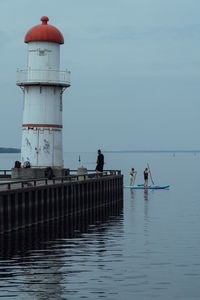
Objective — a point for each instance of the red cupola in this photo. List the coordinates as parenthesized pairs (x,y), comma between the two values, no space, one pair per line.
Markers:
(44,32)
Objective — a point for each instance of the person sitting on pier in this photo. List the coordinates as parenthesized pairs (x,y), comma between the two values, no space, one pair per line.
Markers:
(17,164)
(100,162)
(27,164)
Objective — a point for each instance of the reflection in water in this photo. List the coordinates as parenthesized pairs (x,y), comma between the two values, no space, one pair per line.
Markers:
(132,193)
(146,224)
(146,194)
(20,242)
(146,205)
(40,262)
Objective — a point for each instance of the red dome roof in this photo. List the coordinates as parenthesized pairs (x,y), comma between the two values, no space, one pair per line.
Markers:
(44,32)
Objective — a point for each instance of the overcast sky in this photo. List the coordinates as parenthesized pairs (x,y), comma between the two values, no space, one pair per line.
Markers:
(135,71)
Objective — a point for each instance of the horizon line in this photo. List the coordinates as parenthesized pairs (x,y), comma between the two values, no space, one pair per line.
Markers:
(142,150)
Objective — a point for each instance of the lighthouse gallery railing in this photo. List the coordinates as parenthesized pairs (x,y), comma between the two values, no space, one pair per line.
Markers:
(25,77)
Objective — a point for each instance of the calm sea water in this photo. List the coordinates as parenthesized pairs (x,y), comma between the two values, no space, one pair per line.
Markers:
(149,249)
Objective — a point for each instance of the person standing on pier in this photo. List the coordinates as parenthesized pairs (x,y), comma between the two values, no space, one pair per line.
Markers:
(100,162)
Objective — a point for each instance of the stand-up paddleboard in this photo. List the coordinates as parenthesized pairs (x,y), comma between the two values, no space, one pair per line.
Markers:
(149,187)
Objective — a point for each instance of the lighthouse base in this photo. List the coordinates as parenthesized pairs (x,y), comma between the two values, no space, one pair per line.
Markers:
(36,173)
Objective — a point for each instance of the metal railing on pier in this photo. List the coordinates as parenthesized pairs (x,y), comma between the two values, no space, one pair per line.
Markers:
(8,184)
(5,173)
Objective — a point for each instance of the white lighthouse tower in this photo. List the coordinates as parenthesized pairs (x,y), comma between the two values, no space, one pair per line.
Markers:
(43,84)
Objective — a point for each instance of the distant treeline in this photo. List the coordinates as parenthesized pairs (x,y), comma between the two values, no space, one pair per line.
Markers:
(9,150)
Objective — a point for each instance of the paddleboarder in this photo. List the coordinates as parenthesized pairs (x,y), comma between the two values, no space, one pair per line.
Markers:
(146,173)
(132,176)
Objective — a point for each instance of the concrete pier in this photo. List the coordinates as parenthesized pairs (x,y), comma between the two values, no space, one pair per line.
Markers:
(27,203)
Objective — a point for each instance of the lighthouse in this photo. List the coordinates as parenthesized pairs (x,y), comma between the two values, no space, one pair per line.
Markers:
(43,84)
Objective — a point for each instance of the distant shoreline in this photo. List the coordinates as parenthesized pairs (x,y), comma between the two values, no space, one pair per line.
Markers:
(9,150)
(152,151)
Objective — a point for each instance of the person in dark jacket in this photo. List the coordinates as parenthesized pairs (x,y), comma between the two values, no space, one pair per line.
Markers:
(100,162)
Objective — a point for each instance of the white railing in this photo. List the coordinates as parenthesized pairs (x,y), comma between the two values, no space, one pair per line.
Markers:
(24,77)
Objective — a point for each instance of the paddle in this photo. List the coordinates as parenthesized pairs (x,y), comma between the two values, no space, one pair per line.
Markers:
(134,178)
(150,174)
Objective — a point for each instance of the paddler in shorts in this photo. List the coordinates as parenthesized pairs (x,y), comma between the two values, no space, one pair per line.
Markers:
(132,176)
